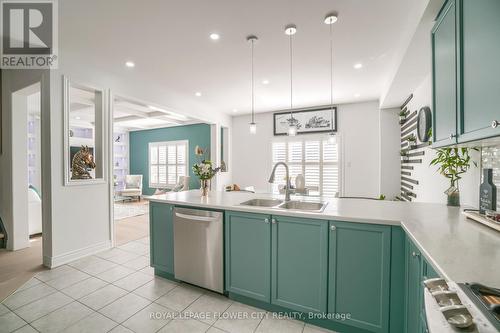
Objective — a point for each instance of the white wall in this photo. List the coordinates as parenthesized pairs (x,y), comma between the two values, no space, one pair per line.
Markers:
(359,131)
(431,183)
(389,153)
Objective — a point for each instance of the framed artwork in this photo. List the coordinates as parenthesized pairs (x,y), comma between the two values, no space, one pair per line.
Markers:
(307,121)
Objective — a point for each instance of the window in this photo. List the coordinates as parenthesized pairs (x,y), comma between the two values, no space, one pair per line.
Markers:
(167,161)
(315,158)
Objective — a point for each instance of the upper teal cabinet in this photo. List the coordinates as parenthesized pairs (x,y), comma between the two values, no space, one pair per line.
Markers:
(299,263)
(480,60)
(248,255)
(466,72)
(444,41)
(161,234)
(359,274)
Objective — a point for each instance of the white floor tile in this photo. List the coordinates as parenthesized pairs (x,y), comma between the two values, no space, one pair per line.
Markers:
(135,247)
(155,288)
(148,271)
(185,325)
(60,319)
(10,322)
(120,329)
(242,319)
(123,257)
(144,240)
(180,298)
(26,329)
(123,308)
(133,281)
(271,324)
(3,309)
(54,273)
(85,287)
(211,305)
(115,273)
(150,319)
(67,279)
(110,253)
(137,263)
(43,306)
(93,265)
(95,323)
(29,295)
(31,282)
(102,297)
(315,329)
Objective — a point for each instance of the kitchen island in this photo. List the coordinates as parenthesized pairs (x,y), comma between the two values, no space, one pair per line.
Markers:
(364,258)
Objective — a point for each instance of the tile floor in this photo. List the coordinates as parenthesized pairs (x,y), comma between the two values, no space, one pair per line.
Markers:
(116,291)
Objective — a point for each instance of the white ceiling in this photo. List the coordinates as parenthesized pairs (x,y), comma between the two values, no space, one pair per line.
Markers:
(170,45)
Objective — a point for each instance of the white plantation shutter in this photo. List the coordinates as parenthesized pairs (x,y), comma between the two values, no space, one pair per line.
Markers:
(315,158)
(167,161)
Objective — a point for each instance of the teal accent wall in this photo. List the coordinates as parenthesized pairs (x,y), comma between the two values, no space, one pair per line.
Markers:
(198,135)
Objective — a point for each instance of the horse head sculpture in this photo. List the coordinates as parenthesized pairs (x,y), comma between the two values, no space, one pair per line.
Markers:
(82,162)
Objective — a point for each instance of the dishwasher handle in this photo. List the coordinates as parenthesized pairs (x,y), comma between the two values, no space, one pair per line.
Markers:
(196,217)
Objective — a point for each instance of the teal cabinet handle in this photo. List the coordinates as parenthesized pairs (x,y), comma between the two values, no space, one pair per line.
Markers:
(273,221)
(333,228)
(266,220)
(495,124)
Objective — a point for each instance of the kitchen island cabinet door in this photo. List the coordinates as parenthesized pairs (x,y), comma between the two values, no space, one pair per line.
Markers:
(161,235)
(299,263)
(248,255)
(359,274)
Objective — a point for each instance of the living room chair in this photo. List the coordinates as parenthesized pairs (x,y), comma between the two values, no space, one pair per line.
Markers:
(133,187)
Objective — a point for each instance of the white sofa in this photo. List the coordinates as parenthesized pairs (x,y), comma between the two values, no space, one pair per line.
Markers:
(133,187)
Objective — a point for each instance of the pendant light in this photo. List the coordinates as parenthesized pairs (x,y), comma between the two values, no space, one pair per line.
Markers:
(291,30)
(253,126)
(330,19)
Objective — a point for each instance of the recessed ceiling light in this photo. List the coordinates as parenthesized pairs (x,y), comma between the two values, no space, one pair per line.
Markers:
(235,110)
(197,94)
(129,64)
(265,81)
(357,95)
(214,36)
(291,29)
(78,118)
(358,66)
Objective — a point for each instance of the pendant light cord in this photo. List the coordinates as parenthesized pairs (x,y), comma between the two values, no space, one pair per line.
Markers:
(253,95)
(291,78)
(331,72)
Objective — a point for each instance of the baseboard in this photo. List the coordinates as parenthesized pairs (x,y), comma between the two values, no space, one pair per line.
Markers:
(52,262)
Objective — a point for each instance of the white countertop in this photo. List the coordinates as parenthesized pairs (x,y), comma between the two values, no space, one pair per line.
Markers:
(461,250)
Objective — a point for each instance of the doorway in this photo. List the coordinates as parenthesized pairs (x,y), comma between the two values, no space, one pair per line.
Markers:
(23,196)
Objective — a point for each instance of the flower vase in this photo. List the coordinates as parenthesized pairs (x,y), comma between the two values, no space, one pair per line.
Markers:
(205,187)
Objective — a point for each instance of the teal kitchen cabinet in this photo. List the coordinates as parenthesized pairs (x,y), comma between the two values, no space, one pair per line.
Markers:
(417,271)
(161,234)
(359,274)
(480,69)
(299,263)
(248,255)
(444,75)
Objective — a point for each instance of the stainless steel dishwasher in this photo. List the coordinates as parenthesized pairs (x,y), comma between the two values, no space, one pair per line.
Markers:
(198,246)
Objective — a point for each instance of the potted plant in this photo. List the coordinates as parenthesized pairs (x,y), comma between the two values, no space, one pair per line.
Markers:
(404,154)
(453,162)
(402,117)
(204,170)
(412,141)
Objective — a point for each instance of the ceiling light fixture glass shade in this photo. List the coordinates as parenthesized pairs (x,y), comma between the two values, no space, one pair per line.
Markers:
(253,126)
(330,19)
(291,30)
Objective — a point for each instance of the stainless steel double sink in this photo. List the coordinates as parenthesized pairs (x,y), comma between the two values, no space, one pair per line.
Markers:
(294,205)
